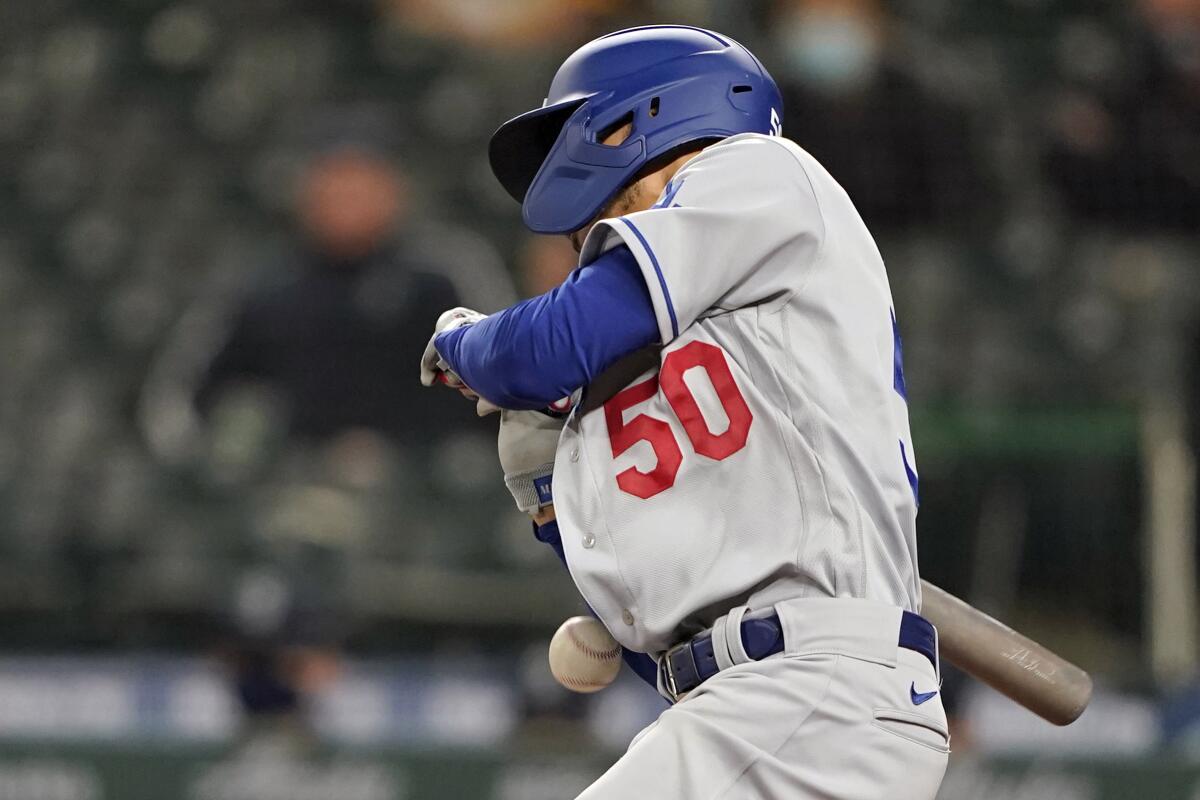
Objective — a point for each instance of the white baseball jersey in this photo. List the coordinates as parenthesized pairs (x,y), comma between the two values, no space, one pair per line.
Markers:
(769,457)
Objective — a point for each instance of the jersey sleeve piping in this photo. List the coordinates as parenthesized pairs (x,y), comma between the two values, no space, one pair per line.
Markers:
(662,282)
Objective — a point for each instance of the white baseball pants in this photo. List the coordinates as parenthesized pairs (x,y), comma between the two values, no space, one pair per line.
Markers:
(843,713)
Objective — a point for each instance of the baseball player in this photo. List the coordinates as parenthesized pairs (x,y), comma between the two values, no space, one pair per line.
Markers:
(740,515)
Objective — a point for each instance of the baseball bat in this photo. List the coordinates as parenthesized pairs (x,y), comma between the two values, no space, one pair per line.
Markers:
(1009,662)
(981,646)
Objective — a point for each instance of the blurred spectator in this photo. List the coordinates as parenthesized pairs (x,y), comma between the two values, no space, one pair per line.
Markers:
(524,26)
(339,331)
(1125,135)
(903,155)
(544,262)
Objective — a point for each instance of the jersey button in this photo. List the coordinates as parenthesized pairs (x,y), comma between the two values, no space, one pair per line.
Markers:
(626,616)
(574,454)
(589,541)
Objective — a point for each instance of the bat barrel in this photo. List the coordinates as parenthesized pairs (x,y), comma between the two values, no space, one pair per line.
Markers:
(1012,664)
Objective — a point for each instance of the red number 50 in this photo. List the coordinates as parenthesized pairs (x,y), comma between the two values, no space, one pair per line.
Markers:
(623,435)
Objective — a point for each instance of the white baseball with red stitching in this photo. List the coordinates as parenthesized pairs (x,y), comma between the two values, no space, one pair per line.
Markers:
(584,657)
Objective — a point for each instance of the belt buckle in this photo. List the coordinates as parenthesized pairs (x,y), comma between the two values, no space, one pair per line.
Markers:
(670,668)
(669,672)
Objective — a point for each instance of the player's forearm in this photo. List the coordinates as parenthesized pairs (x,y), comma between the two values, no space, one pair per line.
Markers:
(541,350)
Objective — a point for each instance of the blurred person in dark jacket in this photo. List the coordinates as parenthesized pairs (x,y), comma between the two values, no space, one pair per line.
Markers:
(903,153)
(335,332)
(1125,140)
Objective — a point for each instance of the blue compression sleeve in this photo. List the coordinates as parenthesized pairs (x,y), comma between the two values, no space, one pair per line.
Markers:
(539,351)
(643,665)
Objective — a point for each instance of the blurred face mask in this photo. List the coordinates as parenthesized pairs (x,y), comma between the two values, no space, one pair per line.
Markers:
(830,50)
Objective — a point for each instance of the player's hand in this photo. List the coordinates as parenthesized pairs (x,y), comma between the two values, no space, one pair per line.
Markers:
(435,370)
(527,443)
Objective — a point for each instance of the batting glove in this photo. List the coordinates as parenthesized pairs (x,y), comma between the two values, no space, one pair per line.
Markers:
(435,370)
(527,443)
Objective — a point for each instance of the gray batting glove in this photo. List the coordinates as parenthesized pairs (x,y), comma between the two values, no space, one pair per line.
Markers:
(435,370)
(527,442)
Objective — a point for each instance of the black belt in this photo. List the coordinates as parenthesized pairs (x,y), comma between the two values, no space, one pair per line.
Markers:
(689,664)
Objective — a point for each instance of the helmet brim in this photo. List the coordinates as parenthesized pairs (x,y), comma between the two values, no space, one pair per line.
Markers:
(519,146)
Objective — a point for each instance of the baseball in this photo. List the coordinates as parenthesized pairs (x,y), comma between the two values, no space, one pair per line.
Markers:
(584,657)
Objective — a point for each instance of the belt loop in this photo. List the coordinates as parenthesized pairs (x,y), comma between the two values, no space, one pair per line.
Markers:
(719,646)
(731,631)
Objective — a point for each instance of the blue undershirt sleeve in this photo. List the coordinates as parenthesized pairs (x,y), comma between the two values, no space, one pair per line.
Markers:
(643,665)
(543,349)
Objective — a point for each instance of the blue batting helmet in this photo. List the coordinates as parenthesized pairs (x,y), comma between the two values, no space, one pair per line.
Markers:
(675,83)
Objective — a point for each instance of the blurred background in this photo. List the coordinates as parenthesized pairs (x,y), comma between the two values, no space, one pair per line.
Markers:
(243,555)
